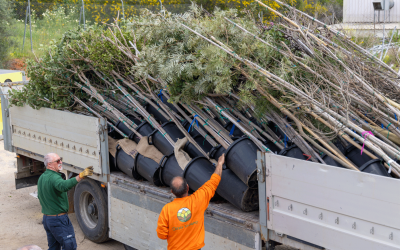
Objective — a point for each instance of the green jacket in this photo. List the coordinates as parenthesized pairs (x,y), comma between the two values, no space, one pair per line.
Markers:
(52,192)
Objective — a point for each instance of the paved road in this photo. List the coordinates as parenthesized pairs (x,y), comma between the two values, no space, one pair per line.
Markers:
(21,217)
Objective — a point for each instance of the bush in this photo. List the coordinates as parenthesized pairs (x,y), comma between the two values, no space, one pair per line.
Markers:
(6,21)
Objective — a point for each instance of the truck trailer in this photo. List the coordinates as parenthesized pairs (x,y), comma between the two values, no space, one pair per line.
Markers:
(302,204)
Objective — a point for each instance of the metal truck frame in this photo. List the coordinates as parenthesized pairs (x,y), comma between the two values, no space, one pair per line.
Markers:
(302,204)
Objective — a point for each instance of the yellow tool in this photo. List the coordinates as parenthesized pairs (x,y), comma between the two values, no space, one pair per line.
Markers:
(9,76)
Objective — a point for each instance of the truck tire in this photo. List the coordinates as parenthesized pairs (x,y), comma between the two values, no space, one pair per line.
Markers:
(129,248)
(90,203)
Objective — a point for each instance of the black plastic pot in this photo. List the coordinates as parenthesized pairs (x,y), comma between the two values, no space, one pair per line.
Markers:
(169,169)
(148,169)
(132,118)
(126,163)
(272,146)
(199,171)
(159,141)
(354,155)
(173,131)
(374,167)
(113,134)
(340,147)
(121,126)
(193,151)
(237,193)
(111,161)
(144,129)
(236,132)
(276,130)
(170,105)
(293,152)
(156,114)
(330,161)
(241,157)
(216,152)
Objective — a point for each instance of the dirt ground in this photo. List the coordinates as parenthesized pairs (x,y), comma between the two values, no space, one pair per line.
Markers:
(21,217)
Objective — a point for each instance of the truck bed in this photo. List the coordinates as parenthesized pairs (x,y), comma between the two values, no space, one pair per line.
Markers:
(221,210)
(134,207)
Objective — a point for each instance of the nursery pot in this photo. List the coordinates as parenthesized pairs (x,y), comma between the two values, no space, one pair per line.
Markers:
(330,161)
(198,171)
(124,129)
(241,157)
(237,193)
(159,141)
(293,152)
(276,130)
(113,134)
(148,169)
(132,118)
(231,188)
(111,160)
(156,114)
(169,169)
(144,129)
(193,151)
(216,152)
(354,155)
(126,163)
(374,167)
(236,132)
(272,146)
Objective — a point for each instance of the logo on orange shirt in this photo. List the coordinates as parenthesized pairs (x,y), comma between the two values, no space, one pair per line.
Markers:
(184,214)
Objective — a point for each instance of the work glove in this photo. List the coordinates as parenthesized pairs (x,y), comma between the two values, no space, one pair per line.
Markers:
(87,172)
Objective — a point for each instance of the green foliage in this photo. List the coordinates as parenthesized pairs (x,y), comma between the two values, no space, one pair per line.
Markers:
(189,66)
(6,22)
(50,26)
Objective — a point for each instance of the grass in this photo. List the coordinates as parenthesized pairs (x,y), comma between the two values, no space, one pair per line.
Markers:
(51,26)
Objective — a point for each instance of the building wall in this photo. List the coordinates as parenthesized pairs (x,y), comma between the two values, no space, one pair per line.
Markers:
(362,11)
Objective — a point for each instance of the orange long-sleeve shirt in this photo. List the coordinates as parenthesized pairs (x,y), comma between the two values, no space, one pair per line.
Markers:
(181,222)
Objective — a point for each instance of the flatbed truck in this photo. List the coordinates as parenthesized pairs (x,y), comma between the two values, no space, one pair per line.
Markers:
(302,204)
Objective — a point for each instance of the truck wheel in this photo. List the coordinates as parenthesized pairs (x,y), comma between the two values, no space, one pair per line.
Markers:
(129,248)
(90,203)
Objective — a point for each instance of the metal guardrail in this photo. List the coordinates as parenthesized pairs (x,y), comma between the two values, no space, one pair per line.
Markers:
(10,84)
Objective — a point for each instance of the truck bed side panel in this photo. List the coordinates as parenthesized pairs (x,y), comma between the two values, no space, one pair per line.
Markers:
(134,216)
(332,207)
(74,137)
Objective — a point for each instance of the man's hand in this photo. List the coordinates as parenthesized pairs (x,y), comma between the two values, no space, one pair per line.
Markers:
(221,161)
(87,172)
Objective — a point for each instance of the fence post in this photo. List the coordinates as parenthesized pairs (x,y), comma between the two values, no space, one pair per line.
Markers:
(123,12)
(80,16)
(83,14)
(26,20)
(30,23)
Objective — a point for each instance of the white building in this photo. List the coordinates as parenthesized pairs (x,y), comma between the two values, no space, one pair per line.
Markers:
(362,11)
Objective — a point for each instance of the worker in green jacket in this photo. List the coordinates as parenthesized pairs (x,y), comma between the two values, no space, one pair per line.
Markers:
(52,194)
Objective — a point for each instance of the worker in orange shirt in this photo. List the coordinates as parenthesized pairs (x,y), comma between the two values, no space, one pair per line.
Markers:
(181,222)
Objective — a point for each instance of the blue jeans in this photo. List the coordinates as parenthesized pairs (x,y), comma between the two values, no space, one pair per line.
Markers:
(60,232)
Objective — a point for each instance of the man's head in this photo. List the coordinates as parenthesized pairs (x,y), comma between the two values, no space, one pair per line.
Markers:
(53,162)
(179,187)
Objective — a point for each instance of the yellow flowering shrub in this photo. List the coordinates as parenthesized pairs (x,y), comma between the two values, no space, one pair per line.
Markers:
(106,10)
